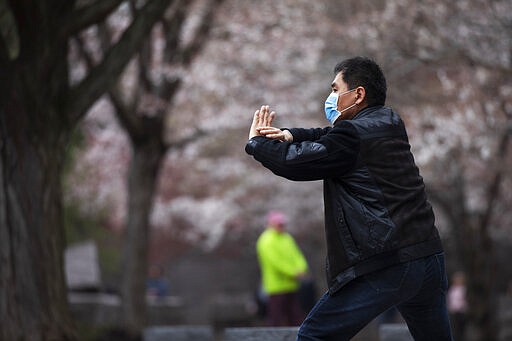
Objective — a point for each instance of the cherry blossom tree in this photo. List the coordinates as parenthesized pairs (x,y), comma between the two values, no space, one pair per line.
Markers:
(246,62)
(143,101)
(461,118)
(209,190)
(447,65)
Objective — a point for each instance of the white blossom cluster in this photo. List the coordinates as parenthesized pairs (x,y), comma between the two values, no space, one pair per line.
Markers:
(281,53)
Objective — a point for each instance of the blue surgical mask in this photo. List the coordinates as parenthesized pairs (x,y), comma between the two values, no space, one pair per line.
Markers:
(331,106)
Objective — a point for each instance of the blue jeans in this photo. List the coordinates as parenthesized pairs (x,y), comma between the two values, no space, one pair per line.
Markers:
(417,288)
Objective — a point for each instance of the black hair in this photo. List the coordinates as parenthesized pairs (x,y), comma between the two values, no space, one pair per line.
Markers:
(363,71)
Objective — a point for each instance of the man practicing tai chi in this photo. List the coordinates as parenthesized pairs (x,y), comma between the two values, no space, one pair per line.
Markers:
(383,249)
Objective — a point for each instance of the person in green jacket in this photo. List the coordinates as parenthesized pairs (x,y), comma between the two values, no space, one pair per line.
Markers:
(282,266)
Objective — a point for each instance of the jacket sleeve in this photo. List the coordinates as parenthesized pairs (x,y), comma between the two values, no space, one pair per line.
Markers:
(332,154)
(313,134)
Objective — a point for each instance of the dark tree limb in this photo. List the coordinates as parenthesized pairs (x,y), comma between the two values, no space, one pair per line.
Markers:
(104,75)
(126,114)
(192,49)
(493,191)
(88,16)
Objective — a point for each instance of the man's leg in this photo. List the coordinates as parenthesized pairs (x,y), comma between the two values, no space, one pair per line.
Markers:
(417,288)
(341,316)
(425,312)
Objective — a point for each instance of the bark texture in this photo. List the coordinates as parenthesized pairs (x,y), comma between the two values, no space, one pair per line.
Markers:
(146,159)
(38,110)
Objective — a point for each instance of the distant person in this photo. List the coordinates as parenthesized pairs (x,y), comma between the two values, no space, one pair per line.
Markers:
(383,248)
(282,266)
(261,301)
(157,285)
(457,305)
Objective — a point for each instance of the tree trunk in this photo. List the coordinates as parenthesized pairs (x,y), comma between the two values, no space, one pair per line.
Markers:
(474,248)
(481,291)
(33,137)
(145,163)
(38,110)
(33,300)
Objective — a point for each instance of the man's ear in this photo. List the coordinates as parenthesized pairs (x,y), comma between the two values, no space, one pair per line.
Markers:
(360,95)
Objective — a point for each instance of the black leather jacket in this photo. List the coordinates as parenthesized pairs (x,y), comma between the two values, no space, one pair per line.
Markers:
(376,209)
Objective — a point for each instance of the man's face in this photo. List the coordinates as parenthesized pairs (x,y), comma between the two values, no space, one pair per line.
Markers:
(345,98)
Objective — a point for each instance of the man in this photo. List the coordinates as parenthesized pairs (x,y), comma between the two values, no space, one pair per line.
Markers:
(383,249)
(282,266)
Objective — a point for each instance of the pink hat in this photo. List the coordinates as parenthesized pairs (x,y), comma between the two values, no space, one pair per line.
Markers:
(276,218)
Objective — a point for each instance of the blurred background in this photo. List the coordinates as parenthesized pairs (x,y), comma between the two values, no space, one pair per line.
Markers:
(156,182)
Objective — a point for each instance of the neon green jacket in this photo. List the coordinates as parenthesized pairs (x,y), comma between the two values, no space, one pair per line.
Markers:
(280,261)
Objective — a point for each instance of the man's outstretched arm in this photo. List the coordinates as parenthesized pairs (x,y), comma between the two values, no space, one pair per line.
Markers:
(330,156)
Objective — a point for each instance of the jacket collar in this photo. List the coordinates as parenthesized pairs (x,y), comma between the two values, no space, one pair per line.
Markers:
(365,112)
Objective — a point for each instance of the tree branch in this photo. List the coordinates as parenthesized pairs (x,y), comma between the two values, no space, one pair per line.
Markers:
(8,33)
(173,24)
(7,75)
(125,113)
(25,19)
(144,62)
(199,133)
(4,54)
(105,74)
(192,49)
(168,88)
(493,191)
(453,202)
(88,16)
(144,58)
(173,54)
(79,41)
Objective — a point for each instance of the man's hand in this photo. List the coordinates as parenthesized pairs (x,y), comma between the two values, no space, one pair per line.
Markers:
(262,118)
(276,134)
